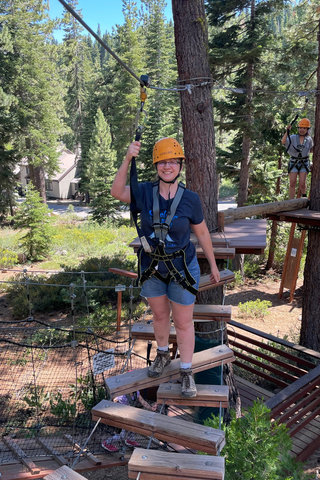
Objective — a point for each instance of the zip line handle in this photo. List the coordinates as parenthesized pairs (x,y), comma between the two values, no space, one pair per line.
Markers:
(294,120)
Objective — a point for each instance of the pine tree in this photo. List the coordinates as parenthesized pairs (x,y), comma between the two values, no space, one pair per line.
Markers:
(101,171)
(33,215)
(38,106)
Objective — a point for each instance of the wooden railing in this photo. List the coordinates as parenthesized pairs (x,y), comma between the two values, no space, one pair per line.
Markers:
(272,361)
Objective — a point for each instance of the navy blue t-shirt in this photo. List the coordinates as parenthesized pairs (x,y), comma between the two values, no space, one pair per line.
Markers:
(189,211)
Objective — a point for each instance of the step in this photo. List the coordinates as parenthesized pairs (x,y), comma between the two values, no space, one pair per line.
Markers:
(138,379)
(212,313)
(64,472)
(207,396)
(162,427)
(220,253)
(226,276)
(158,465)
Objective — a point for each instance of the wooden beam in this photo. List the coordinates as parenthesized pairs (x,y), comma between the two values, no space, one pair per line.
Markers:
(168,429)
(207,395)
(55,455)
(138,379)
(21,455)
(155,464)
(232,214)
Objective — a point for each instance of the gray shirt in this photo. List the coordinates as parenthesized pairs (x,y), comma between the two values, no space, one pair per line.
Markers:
(296,148)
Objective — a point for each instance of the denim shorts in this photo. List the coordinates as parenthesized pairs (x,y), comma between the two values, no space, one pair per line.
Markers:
(300,166)
(153,287)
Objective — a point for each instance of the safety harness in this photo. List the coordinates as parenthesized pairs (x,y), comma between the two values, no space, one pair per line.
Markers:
(299,161)
(158,253)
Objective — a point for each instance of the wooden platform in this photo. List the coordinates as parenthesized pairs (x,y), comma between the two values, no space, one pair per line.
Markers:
(138,379)
(303,216)
(207,396)
(245,236)
(157,465)
(162,427)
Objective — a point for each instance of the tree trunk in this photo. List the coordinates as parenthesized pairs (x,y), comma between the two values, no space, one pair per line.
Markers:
(246,143)
(310,326)
(191,39)
(37,177)
(274,227)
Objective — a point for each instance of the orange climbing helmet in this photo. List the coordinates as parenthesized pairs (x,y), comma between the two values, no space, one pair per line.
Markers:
(304,123)
(166,149)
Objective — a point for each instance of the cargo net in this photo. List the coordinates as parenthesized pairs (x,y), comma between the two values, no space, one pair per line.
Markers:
(53,365)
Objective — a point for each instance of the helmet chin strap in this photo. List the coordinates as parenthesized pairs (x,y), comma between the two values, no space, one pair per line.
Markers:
(169,181)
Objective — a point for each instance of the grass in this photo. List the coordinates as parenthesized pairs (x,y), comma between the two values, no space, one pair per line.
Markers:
(75,240)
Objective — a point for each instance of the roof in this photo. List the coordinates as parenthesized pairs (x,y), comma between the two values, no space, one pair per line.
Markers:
(66,162)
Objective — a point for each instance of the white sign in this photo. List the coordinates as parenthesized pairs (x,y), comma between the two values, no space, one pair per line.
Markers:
(103,361)
(293,252)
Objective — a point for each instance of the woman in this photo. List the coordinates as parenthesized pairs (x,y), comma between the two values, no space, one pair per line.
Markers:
(170,270)
(299,147)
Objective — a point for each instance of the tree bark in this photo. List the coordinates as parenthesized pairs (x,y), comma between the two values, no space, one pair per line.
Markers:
(191,39)
(246,143)
(37,177)
(310,326)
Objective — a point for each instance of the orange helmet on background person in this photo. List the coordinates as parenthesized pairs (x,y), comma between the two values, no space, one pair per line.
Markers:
(304,123)
(166,149)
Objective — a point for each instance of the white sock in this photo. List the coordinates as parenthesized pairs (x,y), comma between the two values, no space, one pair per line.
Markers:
(164,349)
(185,365)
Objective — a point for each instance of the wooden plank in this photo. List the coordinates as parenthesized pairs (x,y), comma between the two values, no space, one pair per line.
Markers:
(173,465)
(286,393)
(18,471)
(92,458)
(124,273)
(168,429)
(145,331)
(212,312)
(226,276)
(272,338)
(21,455)
(138,379)
(207,395)
(44,444)
(278,351)
(303,216)
(220,253)
(64,473)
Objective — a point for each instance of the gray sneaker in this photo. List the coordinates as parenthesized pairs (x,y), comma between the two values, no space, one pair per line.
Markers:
(188,386)
(161,361)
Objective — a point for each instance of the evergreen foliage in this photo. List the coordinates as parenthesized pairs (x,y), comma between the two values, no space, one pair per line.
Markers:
(33,215)
(256,448)
(101,171)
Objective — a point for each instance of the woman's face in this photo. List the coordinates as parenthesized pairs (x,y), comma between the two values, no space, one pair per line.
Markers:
(168,169)
(303,130)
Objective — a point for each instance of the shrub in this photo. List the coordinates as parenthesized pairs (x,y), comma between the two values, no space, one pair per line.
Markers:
(254,308)
(7,258)
(34,216)
(257,448)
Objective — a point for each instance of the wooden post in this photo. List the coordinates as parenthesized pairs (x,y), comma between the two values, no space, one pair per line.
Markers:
(119,289)
(292,262)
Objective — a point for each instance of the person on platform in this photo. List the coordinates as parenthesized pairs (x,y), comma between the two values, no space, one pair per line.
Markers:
(299,147)
(168,268)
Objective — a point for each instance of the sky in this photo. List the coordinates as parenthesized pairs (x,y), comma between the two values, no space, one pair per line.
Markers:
(106,13)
